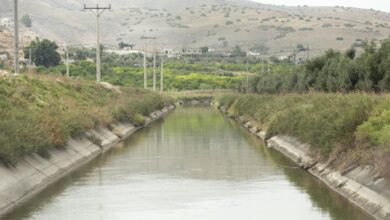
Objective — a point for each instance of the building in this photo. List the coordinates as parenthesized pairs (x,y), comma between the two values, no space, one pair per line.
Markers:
(124,51)
(254,54)
(211,50)
(191,51)
(172,53)
(6,22)
(3,57)
(284,57)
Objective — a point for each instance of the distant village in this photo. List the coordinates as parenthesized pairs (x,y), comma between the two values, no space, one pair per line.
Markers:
(298,57)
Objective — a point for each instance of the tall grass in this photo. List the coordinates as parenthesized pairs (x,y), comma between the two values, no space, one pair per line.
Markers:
(40,113)
(325,121)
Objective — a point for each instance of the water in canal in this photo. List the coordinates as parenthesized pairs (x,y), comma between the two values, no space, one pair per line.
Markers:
(193,164)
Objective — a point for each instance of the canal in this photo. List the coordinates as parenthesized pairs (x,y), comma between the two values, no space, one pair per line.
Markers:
(193,164)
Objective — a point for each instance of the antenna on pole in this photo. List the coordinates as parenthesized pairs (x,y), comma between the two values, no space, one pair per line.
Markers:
(98,11)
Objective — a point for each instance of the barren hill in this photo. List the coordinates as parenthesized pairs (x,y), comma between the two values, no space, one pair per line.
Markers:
(214,23)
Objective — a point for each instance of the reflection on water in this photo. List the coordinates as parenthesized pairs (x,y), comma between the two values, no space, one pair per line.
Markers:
(193,165)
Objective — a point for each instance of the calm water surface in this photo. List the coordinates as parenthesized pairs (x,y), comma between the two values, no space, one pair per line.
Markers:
(194,164)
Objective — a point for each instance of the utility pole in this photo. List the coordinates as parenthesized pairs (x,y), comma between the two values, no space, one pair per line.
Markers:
(268,65)
(154,67)
(308,51)
(162,74)
(262,64)
(29,58)
(67,62)
(247,75)
(145,65)
(145,73)
(16,48)
(295,56)
(98,11)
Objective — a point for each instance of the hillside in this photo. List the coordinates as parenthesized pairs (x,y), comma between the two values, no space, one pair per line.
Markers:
(215,23)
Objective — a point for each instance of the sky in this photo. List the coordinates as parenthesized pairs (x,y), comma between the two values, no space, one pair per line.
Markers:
(382,5)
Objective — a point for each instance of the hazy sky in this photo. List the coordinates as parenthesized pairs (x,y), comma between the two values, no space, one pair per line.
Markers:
(383,5)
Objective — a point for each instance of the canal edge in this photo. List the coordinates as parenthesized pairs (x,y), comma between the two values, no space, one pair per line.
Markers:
(33,174)
(368,199)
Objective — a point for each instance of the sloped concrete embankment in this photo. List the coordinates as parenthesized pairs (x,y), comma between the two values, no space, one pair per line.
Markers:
(34,173)
(361,185)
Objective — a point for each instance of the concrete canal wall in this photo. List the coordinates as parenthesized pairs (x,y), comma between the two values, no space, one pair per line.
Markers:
(361,185)
(34,173)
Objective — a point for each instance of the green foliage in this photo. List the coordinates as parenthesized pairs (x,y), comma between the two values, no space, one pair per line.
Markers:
(301,47)
(325,121)
(26,20)
(38,114)
(237,52)
(332,72)
(375,130)
(178,75)
(204,50)
(44,52)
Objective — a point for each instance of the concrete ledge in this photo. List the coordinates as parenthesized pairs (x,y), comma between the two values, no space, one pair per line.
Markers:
(360,185)
(103,137)
(34,173)
(123,130)
(367,198)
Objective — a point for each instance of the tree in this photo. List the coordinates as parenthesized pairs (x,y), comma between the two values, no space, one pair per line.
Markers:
(26,20)
(301,47)
(237,52)
(204,50)
(351,53)
(44,52)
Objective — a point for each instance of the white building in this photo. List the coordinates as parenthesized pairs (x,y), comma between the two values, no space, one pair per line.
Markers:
(6,22)
(284,57)
(211,50)
(172,53)
(254,54)
(123,52)
(3,57)
(191,51)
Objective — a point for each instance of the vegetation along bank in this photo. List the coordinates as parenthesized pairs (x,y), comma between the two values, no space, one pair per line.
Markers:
(52,126)
(341,138)
(43,112)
